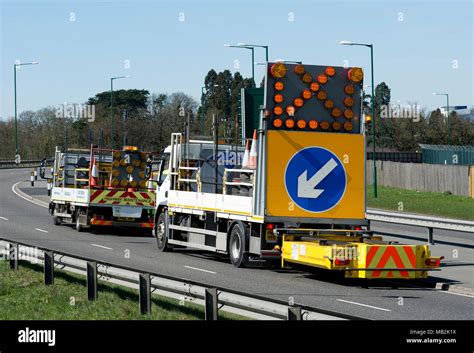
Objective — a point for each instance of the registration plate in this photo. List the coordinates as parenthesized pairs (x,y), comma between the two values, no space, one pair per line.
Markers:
(270,237)
(128,219)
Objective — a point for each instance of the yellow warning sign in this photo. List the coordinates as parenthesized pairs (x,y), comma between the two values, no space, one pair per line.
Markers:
(315,175)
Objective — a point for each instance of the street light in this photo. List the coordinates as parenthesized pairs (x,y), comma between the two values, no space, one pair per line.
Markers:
(256,46)
(371,46)
(112,106)
(16,119)
(253,57)
(447,113)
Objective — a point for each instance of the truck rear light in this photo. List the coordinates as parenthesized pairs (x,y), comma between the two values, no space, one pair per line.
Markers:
(336,126)
(355,74)
(329,104)
(348,102)
(278,70)
(299,69)
(307,78)
(324,125)
(341,262)
(313,124)
(306,94)
(298,102)
(330,71)
(348,126)
(322,79)
(290,123)
(278,98)
(322,95)
(277,123)
(358,228)
(348,114)
(290,110)
(301,124)
(432,262)
(279,86)
(336,112)
(278,110)
(349,89)
(314,86)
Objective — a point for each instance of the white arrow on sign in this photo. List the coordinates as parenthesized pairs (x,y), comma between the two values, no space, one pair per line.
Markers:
(306,187)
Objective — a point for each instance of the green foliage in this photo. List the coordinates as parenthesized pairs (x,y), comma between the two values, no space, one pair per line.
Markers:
(23,296)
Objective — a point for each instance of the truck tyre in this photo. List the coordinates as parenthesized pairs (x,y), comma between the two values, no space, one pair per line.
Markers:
(57,221)
(160,231)
(78,225)
(237,246)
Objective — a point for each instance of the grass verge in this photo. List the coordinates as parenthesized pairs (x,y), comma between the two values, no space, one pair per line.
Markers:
(428,203)
(23,296)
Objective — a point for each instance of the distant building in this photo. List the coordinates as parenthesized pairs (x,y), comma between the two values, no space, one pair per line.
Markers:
(462,110)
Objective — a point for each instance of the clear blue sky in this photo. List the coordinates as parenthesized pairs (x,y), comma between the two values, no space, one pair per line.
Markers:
(414,56)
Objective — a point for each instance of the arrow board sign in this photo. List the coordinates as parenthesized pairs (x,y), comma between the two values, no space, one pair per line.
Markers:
(315,179)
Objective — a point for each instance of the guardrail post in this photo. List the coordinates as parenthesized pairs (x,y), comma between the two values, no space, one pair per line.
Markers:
(430,236)
(13,256)
(92,280)
(368,225)
(211,304)
(145,293)
(48,267)
(294,313)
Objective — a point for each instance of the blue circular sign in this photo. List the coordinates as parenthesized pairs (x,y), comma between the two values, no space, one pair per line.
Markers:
(315,179)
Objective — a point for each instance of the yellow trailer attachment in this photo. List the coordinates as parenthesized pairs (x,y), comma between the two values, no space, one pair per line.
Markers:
(360,257)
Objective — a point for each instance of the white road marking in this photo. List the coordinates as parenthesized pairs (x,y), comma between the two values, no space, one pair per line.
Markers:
(41,230)
(200,269)
(5,219)
(462,295)
(25,198)
(102,246)
(368,306)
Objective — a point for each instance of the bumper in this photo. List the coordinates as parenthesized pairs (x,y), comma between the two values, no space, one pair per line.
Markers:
(364,259)
(102,223)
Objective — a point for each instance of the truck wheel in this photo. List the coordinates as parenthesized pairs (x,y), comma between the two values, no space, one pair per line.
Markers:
(57,221)
(79,227)
(160,231)
(237,240)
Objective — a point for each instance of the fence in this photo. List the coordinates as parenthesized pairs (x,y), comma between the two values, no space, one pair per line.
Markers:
(24,164)
(214,297)
(428,222)
(423,177)
(405,157)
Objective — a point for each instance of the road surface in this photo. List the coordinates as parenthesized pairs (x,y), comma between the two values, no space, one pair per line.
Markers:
(28,222)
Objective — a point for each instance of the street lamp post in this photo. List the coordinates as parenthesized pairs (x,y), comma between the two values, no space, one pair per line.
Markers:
(447,114)
(371,46)
(253,57)
(255,46)
(14,84)
(112,108)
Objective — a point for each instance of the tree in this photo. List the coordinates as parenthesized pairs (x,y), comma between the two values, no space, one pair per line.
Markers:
(381,103)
